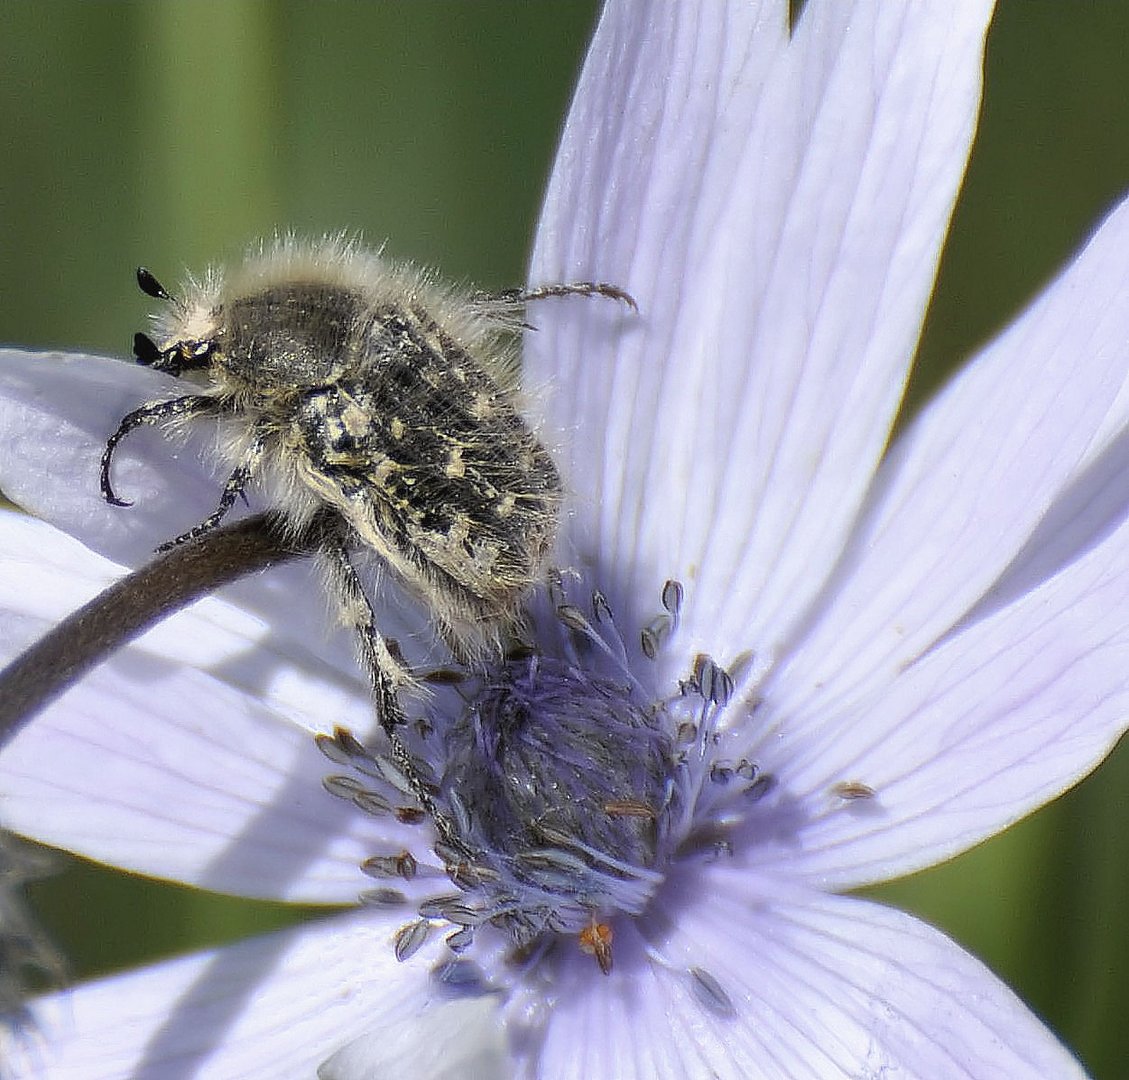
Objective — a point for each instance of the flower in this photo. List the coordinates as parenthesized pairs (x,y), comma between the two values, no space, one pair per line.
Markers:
(918,646)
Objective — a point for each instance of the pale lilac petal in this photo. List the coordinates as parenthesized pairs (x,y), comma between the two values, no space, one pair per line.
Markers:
(765,980)
(45,575)
(833,986)
(203,776)
(176,775)
(623,1025)
(458,1040)
(274,1007)
(1022,460)
(995,721)
(56,412)
(779,223)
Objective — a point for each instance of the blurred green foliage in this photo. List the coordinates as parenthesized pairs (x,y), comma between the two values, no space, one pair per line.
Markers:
(173,133)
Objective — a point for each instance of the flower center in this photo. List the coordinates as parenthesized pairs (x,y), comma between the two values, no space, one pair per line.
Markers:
(560,785)
(560,794)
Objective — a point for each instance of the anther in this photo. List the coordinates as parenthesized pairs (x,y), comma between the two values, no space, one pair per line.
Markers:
(596,941)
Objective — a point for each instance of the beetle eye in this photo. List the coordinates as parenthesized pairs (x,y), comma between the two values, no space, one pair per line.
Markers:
(145,349)
(150,286)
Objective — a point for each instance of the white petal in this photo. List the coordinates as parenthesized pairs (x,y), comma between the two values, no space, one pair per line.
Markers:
(832,986)
(56,412)
(46,575)
(992,723)
(274,1007)
(622,1025)
(454,1041)
(173,774)
(153,766)
(778,213)
(1023,460)
(750,978)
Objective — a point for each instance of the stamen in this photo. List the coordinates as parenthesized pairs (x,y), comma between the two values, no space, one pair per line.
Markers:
(630,808)
(411,938)
(372,803)
(853,790)
(602,612)
(656,633)
(714,683)
(383,898)
(460,940)
(354,791)
(402,865)
(672,597)
(760,787)
(573,618)
(461,976)
(596,940)
(711,994)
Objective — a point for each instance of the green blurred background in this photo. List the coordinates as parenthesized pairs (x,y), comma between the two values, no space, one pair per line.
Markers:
(172,133)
